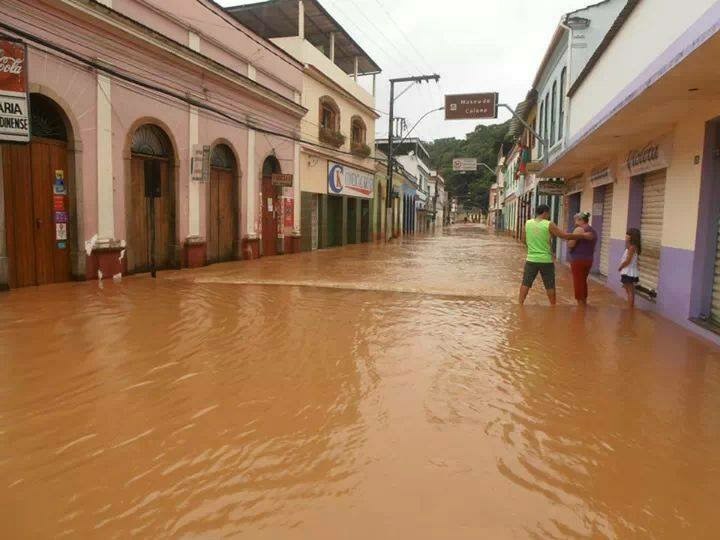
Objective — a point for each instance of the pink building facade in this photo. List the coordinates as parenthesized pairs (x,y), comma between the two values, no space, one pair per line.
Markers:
(123,95)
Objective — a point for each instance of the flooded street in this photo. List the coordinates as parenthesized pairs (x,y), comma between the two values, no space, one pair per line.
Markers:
(373,391)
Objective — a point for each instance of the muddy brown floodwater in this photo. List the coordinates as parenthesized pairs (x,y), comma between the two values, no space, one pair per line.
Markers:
(369,392)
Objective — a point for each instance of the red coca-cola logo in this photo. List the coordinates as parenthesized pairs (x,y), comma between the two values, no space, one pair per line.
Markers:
(12,66)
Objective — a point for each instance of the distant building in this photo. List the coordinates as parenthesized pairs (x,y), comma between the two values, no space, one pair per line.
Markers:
(415,159)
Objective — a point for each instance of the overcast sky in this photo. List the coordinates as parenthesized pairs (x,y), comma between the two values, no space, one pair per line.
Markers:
(474,45)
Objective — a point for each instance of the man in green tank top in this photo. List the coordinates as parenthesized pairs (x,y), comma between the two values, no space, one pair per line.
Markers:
(540,260)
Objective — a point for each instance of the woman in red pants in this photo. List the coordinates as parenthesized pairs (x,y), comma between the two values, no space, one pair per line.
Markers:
(581,256)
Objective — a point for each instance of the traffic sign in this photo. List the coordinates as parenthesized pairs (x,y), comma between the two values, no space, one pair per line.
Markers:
(464,164)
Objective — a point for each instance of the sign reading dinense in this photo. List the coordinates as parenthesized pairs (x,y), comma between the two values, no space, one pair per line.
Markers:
(14,111)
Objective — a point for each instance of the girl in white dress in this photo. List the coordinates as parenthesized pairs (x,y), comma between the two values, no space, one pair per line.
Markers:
(629,274)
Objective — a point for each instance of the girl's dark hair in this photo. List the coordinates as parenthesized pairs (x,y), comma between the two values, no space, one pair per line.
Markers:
(635,239)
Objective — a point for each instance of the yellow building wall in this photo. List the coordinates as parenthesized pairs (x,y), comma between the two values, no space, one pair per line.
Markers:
(313,90)
(313,173)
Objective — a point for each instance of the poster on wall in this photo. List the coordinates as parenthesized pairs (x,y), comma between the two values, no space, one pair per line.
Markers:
(14,104)
(351,182)
(288,210)
(200,167)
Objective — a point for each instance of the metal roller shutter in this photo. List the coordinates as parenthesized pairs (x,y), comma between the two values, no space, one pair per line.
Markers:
(651,223)
(715,313)
(605,233)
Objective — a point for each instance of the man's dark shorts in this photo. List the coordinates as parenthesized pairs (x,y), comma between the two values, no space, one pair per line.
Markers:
(546,270)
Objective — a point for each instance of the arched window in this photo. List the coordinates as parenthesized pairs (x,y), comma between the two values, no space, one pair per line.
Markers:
(150,140)
(542,126)
(329,131)
(545,119)
(553,117)
(358,137)
(561,119)
(329,114)
(46,120)
(222,157)
(359,130)
(271,165)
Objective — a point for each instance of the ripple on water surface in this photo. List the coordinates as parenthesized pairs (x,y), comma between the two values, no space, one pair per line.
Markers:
(328,395)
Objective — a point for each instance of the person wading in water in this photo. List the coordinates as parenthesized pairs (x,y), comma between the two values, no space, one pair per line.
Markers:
(538,238)
(582,253)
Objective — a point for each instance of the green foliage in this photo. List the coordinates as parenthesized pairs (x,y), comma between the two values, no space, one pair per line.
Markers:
(472,188)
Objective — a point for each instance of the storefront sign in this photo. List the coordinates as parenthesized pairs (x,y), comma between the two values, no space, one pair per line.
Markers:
(471,106)
(651,157)
(551,188)
(284,180)
(200,167)
(601,176)
(344,180)
(464,164)
(14,113)
(574,185)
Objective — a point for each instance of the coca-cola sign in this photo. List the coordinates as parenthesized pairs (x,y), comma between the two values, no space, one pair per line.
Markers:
(14,113)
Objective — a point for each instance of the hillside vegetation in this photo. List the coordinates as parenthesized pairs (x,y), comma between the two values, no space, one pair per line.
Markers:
(483,143)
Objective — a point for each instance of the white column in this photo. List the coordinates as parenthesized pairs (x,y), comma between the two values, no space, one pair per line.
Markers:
(355,70)
(301,19)
(296,172)
(105,204)
(194,189)
(296,189)
(193,139)
(332,47)
(374,83)
(251,199)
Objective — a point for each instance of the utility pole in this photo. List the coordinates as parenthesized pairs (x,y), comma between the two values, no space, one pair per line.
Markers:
(391,122)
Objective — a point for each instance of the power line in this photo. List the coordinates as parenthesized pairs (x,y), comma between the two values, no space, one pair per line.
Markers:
(154,88)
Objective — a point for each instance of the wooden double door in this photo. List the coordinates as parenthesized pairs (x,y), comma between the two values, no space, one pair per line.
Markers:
(37,212)
(222,215)
(141,222)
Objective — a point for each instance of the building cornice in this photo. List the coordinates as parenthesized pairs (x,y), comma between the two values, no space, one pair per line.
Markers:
(219,44)
(101,13)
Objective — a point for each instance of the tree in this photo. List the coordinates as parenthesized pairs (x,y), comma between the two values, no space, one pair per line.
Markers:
(473,188)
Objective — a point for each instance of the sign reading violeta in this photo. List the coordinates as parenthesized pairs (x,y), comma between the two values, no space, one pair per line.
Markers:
(464,164)
(351,182)
(14,114)
(471,106)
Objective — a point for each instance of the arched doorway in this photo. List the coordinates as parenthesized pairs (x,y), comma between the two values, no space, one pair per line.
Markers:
(222,214)
(151,216)
(270,206)
(38,199)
